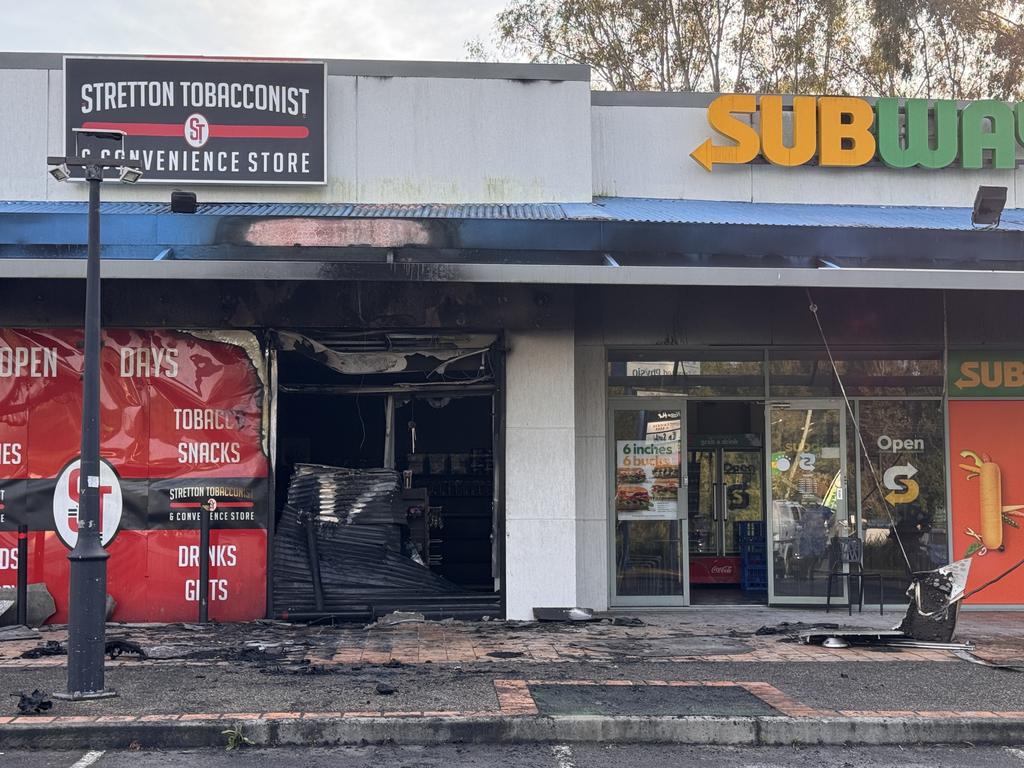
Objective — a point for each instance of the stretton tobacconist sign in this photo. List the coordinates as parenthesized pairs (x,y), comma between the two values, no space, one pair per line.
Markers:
(203,120)
(850,132)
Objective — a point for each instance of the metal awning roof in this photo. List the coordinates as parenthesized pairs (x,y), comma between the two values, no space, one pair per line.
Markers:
(502,211)
(783,214)
(605,241)
(611,209)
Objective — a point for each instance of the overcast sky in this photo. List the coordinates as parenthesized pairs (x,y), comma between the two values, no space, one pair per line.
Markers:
(337,29)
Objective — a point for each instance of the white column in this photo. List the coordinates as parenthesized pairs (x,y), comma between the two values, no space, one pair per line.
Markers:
(591,454)
(540,471)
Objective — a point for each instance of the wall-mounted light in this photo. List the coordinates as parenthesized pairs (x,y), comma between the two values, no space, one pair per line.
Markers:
(988,206)
(61,172)
(129,175)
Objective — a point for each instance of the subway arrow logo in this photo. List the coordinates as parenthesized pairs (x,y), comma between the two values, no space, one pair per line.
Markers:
(986,374)
(846,132)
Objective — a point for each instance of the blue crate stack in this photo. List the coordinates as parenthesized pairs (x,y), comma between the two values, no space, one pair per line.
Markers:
(753,555)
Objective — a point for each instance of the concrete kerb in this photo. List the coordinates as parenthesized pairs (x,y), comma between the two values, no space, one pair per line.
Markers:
(738,731)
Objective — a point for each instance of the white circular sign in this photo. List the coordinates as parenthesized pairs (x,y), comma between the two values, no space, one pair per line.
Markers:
(65,502)
(197,130)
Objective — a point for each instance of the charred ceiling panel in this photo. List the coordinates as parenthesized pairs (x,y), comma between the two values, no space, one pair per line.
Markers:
(369,359)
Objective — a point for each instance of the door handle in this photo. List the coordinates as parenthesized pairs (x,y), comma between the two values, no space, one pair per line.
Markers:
(716,500)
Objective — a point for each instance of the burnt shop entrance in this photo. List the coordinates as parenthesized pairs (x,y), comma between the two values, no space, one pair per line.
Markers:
(386,479)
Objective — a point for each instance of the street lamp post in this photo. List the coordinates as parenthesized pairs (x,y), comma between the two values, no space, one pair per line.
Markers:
(87,599)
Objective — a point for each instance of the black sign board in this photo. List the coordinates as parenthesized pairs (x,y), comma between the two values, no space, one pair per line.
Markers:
(203,120)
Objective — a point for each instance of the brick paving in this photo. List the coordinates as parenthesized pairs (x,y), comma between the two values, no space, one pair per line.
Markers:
(515,700)
(467,642)
(1000,636)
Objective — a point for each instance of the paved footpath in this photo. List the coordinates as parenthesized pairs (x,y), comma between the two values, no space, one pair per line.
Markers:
(688,677)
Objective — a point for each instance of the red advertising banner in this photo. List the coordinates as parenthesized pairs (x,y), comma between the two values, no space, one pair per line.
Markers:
(987,484)
(182,428)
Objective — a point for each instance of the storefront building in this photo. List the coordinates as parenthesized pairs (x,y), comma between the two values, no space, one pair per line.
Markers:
(504,343)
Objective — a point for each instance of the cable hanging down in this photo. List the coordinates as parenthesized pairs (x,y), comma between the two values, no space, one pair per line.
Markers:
(860,436)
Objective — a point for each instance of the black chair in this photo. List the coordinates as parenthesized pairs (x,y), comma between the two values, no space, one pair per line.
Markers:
(851,554)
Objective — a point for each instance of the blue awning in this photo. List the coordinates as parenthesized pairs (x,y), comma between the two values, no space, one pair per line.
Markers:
(634,232)
(781,214)
(614,209)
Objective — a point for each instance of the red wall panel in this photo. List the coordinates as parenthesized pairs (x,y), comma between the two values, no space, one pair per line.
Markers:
(181,427)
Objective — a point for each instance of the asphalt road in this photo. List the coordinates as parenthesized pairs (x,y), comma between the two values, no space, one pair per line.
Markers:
(533,756)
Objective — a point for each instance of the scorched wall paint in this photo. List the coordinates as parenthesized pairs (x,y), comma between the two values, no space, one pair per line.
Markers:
(181,428)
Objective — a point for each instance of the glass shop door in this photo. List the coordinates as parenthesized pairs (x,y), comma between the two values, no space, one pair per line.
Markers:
(726,541)
(647,509)
(807,505)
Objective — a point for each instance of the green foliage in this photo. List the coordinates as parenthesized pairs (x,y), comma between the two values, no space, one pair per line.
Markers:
(960,49)
(236,739)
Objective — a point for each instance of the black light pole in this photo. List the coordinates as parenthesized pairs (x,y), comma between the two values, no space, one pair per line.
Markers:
(87,599)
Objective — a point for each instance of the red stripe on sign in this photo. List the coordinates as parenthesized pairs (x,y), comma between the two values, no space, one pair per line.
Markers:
(259,132)
(216,131)
(197,505)
(1,506)
(22,536)
(140,129)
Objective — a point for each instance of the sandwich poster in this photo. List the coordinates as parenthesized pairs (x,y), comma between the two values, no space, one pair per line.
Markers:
(647,479)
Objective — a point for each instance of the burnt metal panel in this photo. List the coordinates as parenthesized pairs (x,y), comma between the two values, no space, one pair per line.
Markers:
(359,552)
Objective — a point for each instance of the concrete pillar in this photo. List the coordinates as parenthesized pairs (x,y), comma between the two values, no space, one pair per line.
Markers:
(591,453)
(540,471)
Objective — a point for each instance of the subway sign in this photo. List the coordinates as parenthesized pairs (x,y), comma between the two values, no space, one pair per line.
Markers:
(983,374)
(846,132)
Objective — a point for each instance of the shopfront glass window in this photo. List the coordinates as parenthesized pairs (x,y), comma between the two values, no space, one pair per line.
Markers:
(907,503)
(648,503)
(809,503)
(809,373)
(704,374)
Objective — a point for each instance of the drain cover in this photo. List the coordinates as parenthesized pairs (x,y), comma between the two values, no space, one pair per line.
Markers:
(722,701)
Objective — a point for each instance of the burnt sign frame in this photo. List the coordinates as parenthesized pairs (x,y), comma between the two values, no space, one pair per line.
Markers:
(203,120)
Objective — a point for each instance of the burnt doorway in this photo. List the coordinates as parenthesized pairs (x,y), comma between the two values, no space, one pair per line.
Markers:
(444,445)
(386,476)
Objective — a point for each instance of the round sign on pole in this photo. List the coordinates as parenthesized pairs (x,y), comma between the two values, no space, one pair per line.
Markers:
(65,503)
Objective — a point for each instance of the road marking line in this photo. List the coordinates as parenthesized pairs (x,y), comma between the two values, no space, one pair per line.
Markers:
(563,756)
(88,759)
(1018,753)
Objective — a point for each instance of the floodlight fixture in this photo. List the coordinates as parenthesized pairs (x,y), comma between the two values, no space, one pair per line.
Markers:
(128,174)
(60,172)
(988,206)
